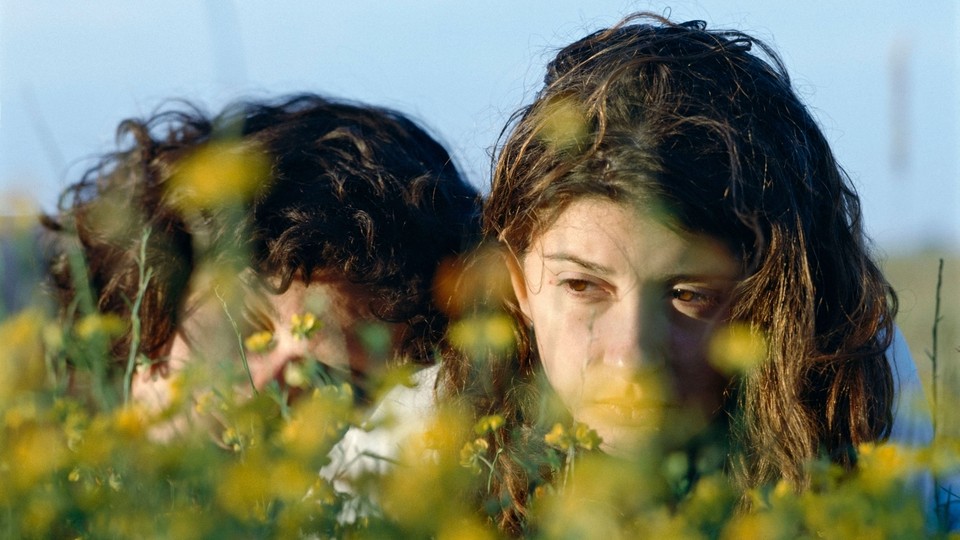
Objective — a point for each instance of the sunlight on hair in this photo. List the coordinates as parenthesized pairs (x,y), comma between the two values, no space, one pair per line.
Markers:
(219,174)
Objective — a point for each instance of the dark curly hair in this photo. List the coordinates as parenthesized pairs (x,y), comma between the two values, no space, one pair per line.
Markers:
(350,191)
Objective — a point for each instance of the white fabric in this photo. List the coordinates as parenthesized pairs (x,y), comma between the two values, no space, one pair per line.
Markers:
(374,446)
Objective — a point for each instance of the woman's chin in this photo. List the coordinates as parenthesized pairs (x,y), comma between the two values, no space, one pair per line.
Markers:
(623,431)
(628,433)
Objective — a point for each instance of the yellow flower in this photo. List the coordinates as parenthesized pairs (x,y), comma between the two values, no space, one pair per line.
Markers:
(737,348)
(37,451)
(488,424)
(219,174)
(578,436)
(585,438)
(472,454)
(477,333)
(96,325)
(130,420)
(558,438)
(304,326)
(563,123)
(21,349)
(244,490)
(259,342)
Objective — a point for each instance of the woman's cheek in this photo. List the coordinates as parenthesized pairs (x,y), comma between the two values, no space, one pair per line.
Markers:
(564,349)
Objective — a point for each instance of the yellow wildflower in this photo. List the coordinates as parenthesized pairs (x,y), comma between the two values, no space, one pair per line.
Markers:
(585,438)
(97,325)
(21,349)
(219,174)
(484,331)
(259,342)
(558,438)
(488,424)
(472,454)
(563,123)
(737,348)
(304,326)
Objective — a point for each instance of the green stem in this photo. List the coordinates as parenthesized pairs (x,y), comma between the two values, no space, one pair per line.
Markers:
(933,353)
(236,332)
(144,277)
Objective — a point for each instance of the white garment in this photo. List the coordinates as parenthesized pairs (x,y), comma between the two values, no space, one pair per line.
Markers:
(374,446)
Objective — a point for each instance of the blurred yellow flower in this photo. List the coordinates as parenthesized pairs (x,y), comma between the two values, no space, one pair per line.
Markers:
(474,334)
(289,479)
(488,424)
(303,326)
(36,452)
(558,438)
(882,464)
(244,490)
(21,412)
(259,342)
(737,348)
(464,528)
(317,422)
(563,123)
(473,453)
(21,348)
(585,438)
(219,174)
(130,421)
(578,436)
(100,325)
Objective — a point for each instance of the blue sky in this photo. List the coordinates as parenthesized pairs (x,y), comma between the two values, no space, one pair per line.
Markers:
(70,71)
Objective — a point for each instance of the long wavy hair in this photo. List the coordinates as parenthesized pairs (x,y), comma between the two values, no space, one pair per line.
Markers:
(351,191)
(705,122)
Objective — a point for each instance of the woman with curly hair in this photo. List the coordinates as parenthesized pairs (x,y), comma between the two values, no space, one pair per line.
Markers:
(667,191)
(329,218)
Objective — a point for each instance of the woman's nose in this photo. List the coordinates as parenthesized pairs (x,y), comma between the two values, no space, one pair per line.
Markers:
(272,365)
(636,337)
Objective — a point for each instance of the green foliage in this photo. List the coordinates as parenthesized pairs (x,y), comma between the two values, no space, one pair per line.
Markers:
(242,466)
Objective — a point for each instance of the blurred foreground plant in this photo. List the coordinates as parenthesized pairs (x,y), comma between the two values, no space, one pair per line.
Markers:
(248,467)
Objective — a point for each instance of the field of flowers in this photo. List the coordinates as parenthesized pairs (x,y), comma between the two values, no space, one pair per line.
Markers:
(83,464)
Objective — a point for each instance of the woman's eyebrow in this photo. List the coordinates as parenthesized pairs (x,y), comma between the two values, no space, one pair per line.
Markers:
(588,265)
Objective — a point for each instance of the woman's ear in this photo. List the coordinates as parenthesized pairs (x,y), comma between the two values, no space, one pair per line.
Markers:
(518,281)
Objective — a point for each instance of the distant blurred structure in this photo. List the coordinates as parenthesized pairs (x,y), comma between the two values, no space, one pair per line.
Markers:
(899,63)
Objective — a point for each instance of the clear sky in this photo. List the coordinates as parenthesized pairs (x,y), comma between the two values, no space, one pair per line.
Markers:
(883,78)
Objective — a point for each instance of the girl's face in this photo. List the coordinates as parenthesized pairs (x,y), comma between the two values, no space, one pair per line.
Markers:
(620,302)
(331,337)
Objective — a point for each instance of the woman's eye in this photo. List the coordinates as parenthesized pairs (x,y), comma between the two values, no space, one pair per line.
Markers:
(695,303)
(688,295)
(583,288)
(255,320)
(577,285)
